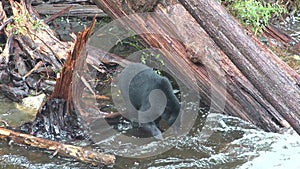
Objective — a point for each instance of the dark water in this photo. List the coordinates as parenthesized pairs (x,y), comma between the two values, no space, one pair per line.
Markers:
(224,142)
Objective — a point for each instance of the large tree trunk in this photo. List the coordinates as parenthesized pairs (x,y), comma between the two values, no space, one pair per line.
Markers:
(228,64)
(276,82)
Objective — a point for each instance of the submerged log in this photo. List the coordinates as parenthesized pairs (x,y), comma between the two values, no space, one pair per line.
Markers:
(225,59)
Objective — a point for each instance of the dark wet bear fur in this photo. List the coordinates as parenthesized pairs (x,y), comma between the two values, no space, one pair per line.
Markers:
(136,83)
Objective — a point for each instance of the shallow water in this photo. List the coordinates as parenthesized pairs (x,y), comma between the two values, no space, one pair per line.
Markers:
(291,26)
(224,142)
(15,114)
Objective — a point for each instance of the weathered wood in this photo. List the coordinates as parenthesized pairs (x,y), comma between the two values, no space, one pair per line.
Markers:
(278,35)
(31,53)
(58,119)
(274,80)
(76,10)
(209,54)
(38,36)
(67,150)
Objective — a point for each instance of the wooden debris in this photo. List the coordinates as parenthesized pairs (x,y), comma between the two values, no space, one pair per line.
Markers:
(58,14)
(66,150)
(29,41)
(72,10)
(269,75)
(32,43)
(58,119)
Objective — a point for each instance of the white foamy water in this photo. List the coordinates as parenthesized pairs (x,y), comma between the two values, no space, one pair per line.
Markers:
(275,151)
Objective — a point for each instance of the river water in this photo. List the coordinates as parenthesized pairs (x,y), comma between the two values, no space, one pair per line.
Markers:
(223,143)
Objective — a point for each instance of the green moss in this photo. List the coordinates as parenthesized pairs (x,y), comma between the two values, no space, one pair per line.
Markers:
(254,13)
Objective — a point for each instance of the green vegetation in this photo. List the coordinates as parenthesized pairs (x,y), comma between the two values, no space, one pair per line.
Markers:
(253,13)
(15,26)
(132,41)
(19,25)
(152,58)
(147,57)
(38,25)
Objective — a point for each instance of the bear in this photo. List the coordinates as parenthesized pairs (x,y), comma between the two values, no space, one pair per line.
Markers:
(149,98)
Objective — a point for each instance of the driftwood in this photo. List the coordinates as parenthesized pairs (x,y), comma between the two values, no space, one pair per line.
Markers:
(78,153)
(256,85)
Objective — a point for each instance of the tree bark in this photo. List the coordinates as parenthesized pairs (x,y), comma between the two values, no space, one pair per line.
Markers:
(274,80)
(224,58)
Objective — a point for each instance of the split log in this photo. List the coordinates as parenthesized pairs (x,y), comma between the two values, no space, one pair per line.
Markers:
(57,118)
(224,58)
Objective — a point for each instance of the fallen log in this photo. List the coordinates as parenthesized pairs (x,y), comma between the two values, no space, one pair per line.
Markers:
(225,59)
(57,148)
(273,79)
(73,10)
